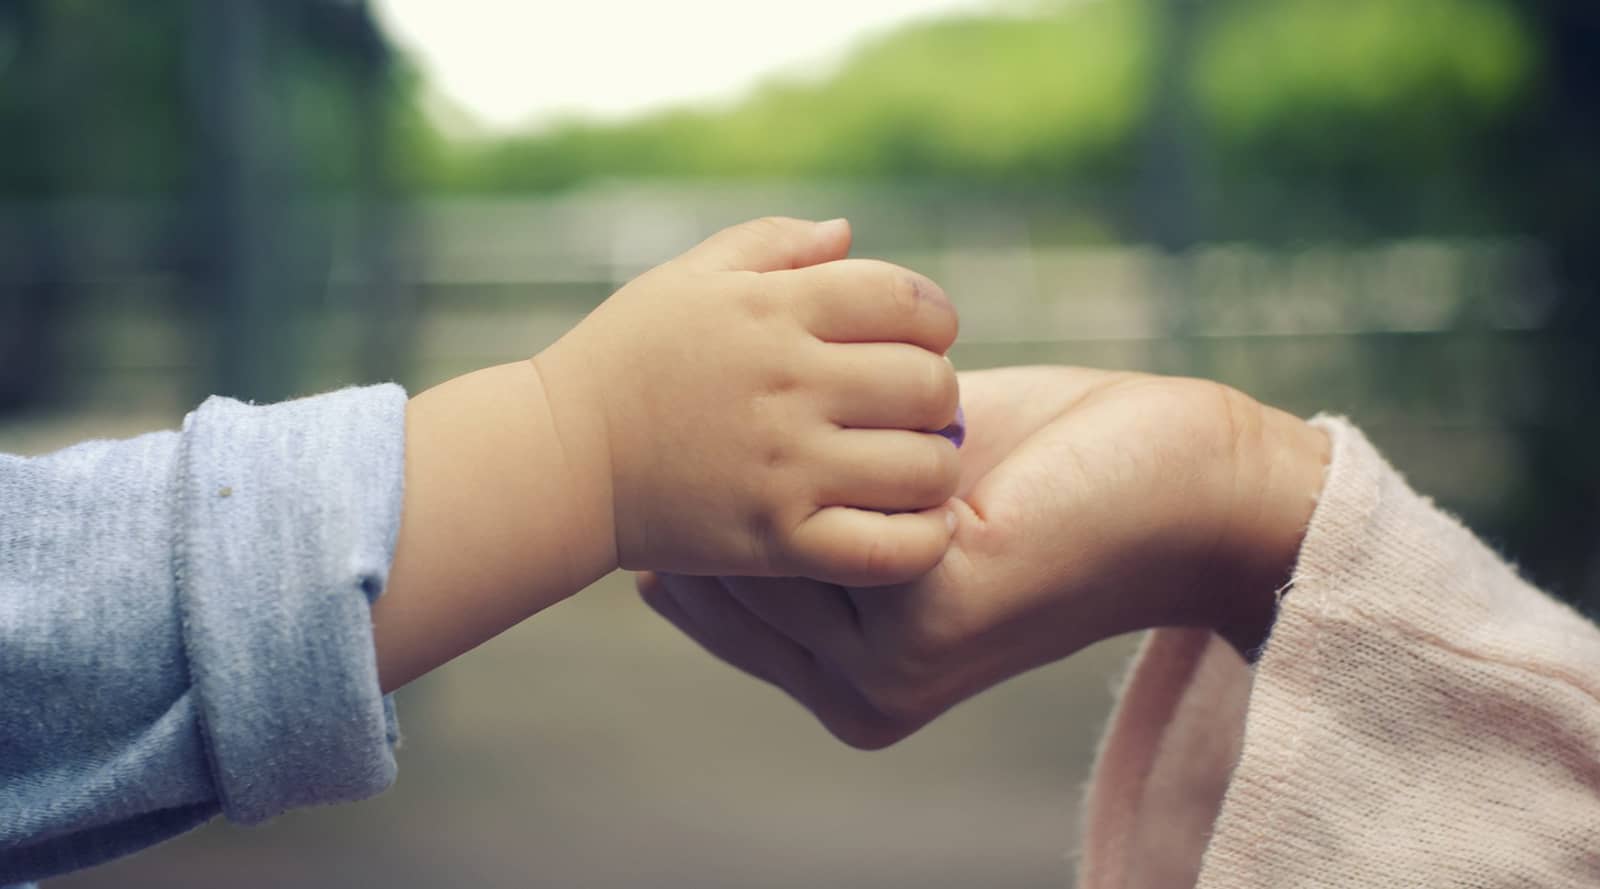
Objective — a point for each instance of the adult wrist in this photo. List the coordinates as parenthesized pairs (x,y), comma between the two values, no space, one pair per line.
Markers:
(1284,464)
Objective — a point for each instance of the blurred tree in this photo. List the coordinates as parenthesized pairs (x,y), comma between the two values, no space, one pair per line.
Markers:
(1361,118)
(1549,186)
(294,107)
(239,204)
(88,103)
(979,98)
(257,119)
(1168,213)
(1169,216)
(31,289)
(1318,118)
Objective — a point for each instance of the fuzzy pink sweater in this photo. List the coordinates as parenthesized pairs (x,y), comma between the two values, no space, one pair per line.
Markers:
(1421,716)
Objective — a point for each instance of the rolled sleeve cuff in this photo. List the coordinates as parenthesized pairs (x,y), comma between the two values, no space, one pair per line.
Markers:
(287,524)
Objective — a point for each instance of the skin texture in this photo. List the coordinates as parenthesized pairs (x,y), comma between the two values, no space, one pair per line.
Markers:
(1090,504)
(760,406)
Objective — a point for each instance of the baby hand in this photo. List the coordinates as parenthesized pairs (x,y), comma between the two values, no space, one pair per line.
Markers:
(765,406)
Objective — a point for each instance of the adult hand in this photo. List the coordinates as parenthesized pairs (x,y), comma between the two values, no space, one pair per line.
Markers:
(1090,504)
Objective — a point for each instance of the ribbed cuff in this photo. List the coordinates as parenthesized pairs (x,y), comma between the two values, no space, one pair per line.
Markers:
(286,528)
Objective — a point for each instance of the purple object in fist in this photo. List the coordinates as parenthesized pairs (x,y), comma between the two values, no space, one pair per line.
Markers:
(957,431)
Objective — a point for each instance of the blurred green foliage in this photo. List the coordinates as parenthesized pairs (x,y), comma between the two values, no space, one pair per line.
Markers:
(98,97)
(319,104)
(90,93)
(1307,86)
(1341,95)
(986,97)
(1294,87)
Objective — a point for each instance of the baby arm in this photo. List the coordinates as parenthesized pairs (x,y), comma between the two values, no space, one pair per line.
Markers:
(189,618)
(757,406)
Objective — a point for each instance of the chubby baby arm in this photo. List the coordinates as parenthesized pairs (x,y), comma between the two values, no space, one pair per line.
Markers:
(758,406)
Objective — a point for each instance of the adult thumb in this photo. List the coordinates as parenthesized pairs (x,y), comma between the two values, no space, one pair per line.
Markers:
(771,244)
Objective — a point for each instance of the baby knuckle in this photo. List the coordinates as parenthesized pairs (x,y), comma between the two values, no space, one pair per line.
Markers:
(941,389)
(761,230)
(932,473)
(903,290)
(781,379)
(775,456)
(950,474)
(770,226)
(786,497)
(759,299)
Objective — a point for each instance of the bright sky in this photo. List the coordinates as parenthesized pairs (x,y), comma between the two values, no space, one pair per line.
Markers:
(510,63)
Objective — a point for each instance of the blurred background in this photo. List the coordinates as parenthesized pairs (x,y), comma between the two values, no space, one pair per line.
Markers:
(1376,207)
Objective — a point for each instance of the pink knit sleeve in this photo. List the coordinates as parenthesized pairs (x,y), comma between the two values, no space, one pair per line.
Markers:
(1421,716)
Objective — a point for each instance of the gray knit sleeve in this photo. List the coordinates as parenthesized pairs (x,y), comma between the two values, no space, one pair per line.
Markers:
(185,625)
